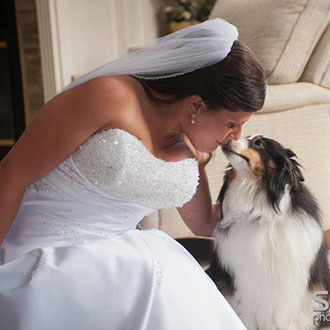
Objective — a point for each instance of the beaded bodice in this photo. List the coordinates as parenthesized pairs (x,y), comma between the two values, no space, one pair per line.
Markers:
(104,188)
(118,165)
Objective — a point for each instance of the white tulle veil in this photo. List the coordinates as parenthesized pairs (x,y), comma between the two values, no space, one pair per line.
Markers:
(183,51)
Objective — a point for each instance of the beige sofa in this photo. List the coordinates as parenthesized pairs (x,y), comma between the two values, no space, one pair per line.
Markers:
(292,41)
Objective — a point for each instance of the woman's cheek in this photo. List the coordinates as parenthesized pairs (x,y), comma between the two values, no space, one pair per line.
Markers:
(225,133)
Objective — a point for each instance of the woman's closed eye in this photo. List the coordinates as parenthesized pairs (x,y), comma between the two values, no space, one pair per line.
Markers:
(232,125)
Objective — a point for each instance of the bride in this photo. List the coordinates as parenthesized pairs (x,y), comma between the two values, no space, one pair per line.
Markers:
(114,146)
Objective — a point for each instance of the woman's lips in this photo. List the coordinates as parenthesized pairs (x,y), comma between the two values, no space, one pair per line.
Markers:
(221,144)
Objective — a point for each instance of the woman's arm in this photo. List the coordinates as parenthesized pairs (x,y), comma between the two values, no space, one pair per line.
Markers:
(200,215)
(11,195)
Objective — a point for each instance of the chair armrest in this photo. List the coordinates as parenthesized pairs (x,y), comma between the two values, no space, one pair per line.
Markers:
(292,96)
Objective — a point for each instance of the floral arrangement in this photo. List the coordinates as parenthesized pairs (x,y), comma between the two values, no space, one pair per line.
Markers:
(188,10)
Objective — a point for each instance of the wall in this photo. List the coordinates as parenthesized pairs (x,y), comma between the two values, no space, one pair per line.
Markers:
(28,39)
(77,36)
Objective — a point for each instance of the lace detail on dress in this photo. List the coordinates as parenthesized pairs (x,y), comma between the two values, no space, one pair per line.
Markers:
(44,186)
(76,232)
(42,261)
(159,274)
(67,171)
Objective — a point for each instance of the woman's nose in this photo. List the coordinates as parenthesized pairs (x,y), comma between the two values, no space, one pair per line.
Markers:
(236,134)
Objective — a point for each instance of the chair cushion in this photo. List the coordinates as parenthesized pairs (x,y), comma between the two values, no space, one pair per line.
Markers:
(317,70)
(281,33)
(291,96)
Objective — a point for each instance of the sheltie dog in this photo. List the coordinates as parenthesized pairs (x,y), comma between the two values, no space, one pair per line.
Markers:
(270,258)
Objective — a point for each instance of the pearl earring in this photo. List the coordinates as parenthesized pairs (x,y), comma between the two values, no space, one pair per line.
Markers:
(193,118)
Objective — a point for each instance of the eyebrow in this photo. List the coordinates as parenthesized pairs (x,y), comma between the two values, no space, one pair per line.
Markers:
(237,123)
(232,120)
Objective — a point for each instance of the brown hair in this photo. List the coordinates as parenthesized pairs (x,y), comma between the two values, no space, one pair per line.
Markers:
(236,83)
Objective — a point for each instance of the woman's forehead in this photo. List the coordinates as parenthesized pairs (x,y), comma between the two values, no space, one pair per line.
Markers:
(239,116)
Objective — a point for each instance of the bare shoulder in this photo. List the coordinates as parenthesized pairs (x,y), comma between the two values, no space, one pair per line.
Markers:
(125,92)
(110,86)
(114,94)
(99,99)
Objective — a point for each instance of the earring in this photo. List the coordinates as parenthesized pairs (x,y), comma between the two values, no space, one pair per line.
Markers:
(193,118)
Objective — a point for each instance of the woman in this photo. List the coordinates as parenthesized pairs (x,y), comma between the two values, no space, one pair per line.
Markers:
(121,142)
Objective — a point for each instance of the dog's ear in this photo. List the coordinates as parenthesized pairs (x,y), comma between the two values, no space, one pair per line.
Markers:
(297,172)
(287,172)
(276,185)
(290,153)
(295,167)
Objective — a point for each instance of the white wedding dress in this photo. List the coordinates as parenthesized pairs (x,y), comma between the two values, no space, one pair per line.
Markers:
(74,260)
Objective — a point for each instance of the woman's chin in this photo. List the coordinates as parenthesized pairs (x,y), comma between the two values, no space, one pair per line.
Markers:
(205,148)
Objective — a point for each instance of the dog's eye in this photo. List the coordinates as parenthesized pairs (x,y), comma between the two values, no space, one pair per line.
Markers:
(258,143)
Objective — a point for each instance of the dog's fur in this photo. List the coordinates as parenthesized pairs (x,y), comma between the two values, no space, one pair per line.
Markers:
(270,254)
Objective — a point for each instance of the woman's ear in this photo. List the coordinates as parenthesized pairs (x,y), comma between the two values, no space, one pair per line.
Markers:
(198,105)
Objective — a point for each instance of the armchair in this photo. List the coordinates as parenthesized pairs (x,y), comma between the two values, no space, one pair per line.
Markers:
(292,41)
